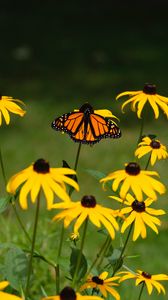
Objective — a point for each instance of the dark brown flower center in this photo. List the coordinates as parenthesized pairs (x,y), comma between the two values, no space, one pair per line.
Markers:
(149,89)
(88,201)
(155,144)
(97,280)
(41,166)
(87,109)
(132,168)
(146,275)
(138,206)
(68,294)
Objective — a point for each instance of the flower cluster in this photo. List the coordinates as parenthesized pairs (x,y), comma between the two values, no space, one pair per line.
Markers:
(135,191)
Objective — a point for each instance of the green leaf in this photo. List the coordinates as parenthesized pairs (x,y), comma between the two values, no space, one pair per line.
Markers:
(96,174)
(4,202)
(16,266)
(114,258)
(73,261)
(64,262)
(110,251)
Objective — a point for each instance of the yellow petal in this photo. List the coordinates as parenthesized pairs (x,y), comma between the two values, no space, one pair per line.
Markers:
(113,292)
(5,114)
(152,102)
(103,275)
(163,106)
(128,221)
(3,284)
(24,192)
(6,296)
(80,221)
(140,107)
(128,93)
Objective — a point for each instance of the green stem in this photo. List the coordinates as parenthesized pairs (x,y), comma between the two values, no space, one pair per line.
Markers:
(80,253)
(147,164)
(2,168)
(140,294)
(33,246)
(106,248)
(141,131)
(57,268)
(99,254)
(122,252)
(20,222)
(77,156)
(75,166)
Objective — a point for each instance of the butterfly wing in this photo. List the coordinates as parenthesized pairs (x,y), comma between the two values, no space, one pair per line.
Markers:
(86,129)
(69,122)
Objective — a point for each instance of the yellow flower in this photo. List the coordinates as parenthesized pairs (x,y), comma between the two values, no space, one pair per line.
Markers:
(140,214)
(6,296)
(132,177)
(140,98)
(87,208)
(40,176)
(74,236)
(8,104)
(152,146)
(151,281)
(69,293)
(102,283)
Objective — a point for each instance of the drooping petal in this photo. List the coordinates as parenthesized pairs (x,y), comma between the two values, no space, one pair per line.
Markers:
(128,221)
(159,287)
(163,106)
(6,296)
(15,181)
(80,221)
(147,219)
(3,284)
(15,109)
(137,227)
(24,192)
(153,104)
(113,292)
(140,107)
(153,157)
(48,194)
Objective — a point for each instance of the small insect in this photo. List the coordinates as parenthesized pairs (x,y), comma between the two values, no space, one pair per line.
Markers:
(85,126)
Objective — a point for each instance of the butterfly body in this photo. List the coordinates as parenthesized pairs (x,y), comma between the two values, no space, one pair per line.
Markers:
(85,126)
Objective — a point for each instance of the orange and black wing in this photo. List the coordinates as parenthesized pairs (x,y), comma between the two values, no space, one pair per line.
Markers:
(69,123)
(94,128)
(88,129)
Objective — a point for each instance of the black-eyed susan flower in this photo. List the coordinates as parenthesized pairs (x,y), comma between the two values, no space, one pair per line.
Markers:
(8,104)
(151,281)
(139,181)
(87,208)
(103,283)
(39,176)
(4,295)
(140,98)
(140,214)
(152,146)
(69,294)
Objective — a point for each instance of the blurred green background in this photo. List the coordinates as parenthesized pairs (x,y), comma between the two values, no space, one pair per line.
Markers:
(56,55)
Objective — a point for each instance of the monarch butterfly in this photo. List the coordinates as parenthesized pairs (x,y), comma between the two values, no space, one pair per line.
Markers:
(85,126)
